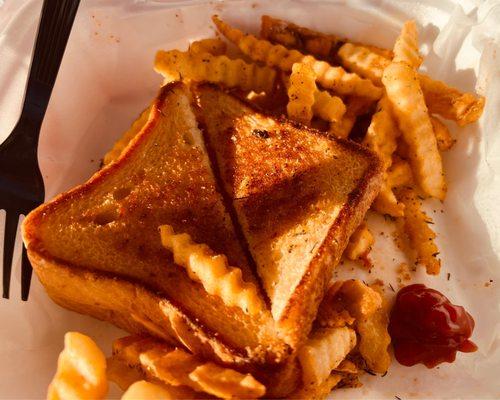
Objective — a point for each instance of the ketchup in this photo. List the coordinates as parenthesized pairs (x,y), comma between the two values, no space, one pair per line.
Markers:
(426,328)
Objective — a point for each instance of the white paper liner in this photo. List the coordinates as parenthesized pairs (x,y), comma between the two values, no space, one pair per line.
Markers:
(106,79)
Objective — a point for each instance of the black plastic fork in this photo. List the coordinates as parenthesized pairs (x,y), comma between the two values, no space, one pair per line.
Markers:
(21,183)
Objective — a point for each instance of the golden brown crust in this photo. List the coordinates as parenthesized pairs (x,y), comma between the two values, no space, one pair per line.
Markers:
(29,227)
(130,306)
(301,308)
(133,308)
(321,267)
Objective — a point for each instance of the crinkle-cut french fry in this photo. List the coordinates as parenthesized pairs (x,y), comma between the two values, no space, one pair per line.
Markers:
(332,312)
(341,129)
(143,390)
(362,61)
(300,38)
(147,390)
(355,106)
(406,46)
(381,137)
(319,44)
(367,306)
(420,235)
(170,366)
(448,102)
(175,64)
(383,132)
(335,78)
(227,383)
(325,349)
(276,31)
(130,347)
(404,92)
(214,46)
(183,371)
(156,360)
(359,299)
(387,203)
(301,93)
(334,318)
(360,243)
(328,107)
(120,373)
(81,370)
(374,337)
(212,271)
(370,64)
(305,99)
(443,136)
(122,143)
(340,81)
(386,53)
(399,174)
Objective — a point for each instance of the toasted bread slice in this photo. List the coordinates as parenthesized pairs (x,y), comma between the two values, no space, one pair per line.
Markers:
(97,248)
(298,196)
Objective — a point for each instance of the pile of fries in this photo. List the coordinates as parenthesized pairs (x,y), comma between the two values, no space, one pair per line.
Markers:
(405,129)
(328,83)
(149,368)
(144,368)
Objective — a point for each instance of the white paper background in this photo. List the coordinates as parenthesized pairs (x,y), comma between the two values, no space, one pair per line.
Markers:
(105,80)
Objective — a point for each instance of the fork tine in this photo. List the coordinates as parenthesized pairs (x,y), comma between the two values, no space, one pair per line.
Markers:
(11,220)
(26,271)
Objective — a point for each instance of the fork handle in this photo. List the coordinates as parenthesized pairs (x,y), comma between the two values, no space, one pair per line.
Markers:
(56,20)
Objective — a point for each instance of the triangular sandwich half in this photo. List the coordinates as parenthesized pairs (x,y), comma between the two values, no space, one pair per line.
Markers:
(298,196)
